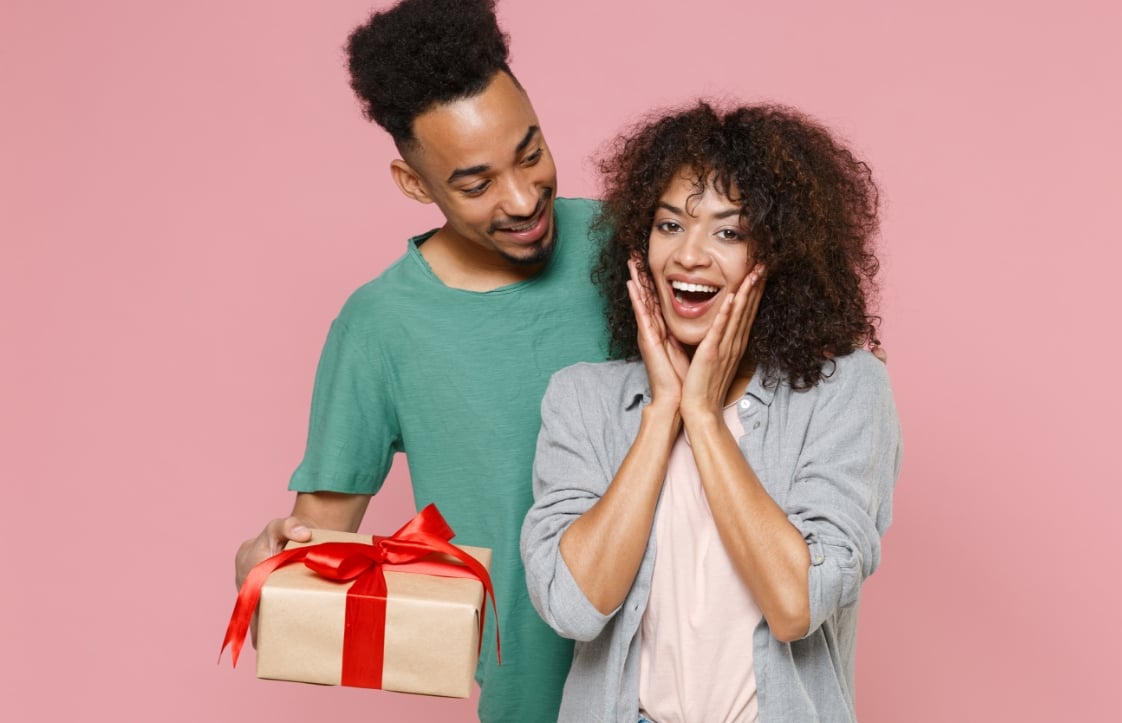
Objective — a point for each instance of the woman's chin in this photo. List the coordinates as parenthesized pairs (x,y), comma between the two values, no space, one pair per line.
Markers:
(688,338)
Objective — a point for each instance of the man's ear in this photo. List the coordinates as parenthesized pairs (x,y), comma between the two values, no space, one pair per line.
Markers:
(409,181)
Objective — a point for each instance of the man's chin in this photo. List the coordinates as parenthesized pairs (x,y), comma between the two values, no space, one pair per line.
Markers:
(534,254)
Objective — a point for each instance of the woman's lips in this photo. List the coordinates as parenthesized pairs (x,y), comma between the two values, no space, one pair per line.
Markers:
(692,299)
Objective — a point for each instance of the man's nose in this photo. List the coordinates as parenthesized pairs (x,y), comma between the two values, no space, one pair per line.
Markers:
(520,198)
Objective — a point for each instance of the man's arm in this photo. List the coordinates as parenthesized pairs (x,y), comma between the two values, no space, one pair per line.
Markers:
(322,510)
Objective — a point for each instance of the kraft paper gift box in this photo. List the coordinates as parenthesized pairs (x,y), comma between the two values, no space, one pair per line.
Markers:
(431,631)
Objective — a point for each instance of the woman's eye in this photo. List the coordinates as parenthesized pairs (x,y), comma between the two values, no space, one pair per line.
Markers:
(668,226)
(728,234)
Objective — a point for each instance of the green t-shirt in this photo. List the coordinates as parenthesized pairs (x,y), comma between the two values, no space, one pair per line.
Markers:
(454,379)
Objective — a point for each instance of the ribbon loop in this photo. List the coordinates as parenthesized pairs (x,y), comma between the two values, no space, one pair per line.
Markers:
(424,537)
(342,560)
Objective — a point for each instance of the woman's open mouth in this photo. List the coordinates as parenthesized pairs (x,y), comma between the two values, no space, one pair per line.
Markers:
(692,294)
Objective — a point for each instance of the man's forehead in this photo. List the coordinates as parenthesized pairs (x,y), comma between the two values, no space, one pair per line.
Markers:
(484,128)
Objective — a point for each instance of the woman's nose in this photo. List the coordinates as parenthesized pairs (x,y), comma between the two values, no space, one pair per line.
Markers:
(692,251)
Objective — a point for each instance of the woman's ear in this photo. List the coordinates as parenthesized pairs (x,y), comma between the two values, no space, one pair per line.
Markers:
(409,181)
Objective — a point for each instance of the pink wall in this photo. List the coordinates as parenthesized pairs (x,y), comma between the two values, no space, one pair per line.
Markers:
(188,192)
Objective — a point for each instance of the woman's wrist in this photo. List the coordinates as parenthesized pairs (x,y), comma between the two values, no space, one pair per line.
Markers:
(662,414)
(698,416)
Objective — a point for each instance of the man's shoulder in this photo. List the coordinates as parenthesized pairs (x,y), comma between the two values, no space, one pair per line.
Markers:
(575,215)
(576,206)
(384,291)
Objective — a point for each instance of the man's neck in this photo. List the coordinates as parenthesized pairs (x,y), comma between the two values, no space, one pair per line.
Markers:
(462,265)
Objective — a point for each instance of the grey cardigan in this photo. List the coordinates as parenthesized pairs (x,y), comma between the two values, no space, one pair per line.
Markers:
(829,456)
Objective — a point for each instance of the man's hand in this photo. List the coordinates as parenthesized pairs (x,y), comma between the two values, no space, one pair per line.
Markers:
(271,541)
(320,510)
(313,510)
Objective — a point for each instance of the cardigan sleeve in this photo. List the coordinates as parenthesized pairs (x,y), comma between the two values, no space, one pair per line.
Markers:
(841,499)
(570,475)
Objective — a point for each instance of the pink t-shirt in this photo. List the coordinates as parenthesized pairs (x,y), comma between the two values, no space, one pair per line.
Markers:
(695,658)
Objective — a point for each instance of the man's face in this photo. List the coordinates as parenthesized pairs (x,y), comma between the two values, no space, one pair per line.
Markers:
(484,162)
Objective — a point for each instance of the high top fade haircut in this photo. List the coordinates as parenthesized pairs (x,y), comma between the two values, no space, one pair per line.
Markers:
(422,53)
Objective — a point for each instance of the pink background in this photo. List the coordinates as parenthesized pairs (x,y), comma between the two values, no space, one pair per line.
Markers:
(188,192)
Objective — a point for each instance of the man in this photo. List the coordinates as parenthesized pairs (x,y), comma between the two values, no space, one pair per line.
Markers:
(446,355)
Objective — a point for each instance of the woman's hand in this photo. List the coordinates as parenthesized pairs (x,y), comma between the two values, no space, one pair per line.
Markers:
(663,356)
(718,358)
(604,547)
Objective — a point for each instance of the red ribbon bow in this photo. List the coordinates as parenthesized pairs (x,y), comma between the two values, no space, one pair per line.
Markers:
(364,637)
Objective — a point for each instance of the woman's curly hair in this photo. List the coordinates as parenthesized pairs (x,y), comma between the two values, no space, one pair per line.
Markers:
(810,208)
(420,53)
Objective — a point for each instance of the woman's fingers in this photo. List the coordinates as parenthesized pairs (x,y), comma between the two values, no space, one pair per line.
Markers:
(747,303)
(638,305)
(651,309)
(719,355)
(664,358)
(734,319)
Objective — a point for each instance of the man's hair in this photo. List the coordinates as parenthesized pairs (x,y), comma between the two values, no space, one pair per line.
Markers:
(811,211)
(421,53)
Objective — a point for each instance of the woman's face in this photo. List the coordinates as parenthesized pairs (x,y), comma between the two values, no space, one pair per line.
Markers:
(699,254)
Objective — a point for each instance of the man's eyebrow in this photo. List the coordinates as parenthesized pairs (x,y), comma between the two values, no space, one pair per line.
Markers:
(469,171)
(527,139)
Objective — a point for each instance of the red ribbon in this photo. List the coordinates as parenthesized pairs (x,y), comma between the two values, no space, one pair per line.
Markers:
(364,636)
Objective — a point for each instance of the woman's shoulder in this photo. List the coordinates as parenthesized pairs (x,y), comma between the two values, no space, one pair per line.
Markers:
(604,381)
(859,365)
(607,374)
(848,378)
(854,381)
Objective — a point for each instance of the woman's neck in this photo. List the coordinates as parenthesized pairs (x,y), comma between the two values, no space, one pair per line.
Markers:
(740,382)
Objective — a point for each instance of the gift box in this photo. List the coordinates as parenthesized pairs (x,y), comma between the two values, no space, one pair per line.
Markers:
(403,613)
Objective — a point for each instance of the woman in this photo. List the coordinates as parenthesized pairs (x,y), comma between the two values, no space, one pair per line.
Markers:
(708,506)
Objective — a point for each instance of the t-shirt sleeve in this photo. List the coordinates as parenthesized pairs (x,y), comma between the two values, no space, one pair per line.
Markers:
(353,432)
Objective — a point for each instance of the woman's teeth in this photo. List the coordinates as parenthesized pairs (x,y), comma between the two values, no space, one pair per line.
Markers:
(692,293)
(683,286)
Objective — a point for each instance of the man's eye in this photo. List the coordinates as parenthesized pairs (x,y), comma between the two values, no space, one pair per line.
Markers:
(533,158)
(476,189)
